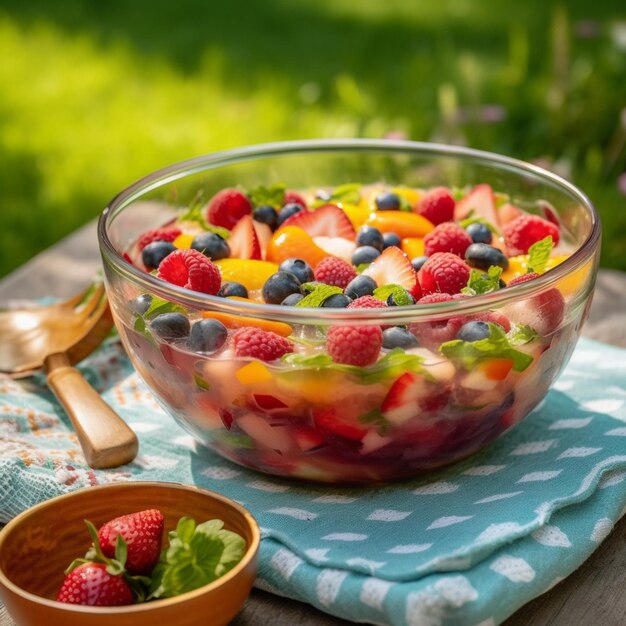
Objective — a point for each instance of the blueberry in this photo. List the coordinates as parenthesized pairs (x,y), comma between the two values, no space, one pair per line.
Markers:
(207,336)
(337,301)
(364,254)
(387,200)
(391,300)
(155,252)
(211,245)
(266,215)
(170,325)
(292,299)
(473,331)
(483,256)
(360,286)
(398,337)
(370,236)
(391,239)
(479,233)
(288,210)
(232,288)
(280,285)
(299,268)
(418,261)
(141,303)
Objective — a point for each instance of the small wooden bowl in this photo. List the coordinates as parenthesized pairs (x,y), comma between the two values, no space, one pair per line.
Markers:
(37,546)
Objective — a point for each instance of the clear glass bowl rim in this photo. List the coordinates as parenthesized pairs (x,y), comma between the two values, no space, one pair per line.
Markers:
(196,300)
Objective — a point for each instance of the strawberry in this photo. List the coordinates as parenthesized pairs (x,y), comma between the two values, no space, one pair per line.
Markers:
(227,207)
(307,438)
(142,532)
(244,240)
(393,267)
(94,585)
(479,202)
(402,401)
(327,221)
(327,419)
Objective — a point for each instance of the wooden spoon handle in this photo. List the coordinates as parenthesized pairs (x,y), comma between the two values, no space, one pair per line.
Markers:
(106,439)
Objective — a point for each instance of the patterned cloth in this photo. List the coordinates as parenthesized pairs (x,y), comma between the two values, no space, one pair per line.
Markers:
(467,545)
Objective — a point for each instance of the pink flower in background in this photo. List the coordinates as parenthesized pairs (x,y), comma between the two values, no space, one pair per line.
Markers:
(586,29)
(396,134)
(621,183)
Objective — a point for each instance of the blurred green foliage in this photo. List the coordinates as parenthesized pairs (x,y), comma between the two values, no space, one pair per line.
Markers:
(96,94)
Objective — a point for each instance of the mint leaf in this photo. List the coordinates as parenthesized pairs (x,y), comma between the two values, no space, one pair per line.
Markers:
(521,334)
(319,360)
(405,205)
(274,195)
(539,254)
(197,555)
(158,306)
(318,295)
(478,220)
(496,346)
(399,293)
(481,282)
(195,214)
(361,267)
(376,418)
(348,194)
(201,383)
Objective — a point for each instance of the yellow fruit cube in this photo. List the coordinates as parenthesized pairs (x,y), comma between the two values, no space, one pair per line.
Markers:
(253,373)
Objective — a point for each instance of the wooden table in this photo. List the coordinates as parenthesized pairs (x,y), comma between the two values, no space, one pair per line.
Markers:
(594,594)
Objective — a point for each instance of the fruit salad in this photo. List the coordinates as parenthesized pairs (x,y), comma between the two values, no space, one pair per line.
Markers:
(351,400)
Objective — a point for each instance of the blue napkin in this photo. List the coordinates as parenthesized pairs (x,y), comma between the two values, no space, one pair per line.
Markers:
(466,545)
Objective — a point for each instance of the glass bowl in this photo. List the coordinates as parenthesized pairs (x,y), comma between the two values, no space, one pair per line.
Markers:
(312,418)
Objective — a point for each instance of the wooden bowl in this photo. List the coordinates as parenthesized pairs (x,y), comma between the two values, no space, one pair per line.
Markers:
(37,546)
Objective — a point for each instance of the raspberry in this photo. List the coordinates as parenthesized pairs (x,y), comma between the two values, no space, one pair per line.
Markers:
(447,237)
(367,302)
(167,233)
(354,345)
(444,272)
(436,205)
(260,344)
(227,207)
(526,230)
(192,270)
(524,278)
(434,298)
(334,271)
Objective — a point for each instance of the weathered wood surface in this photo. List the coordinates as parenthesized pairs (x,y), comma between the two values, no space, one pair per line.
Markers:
(594,594)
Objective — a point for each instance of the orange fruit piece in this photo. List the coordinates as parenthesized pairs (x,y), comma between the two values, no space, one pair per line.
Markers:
(293,241)
(251,273)
(403,223)
(357,214)
(496,369)
(183,241)
(237,321)
(413,246)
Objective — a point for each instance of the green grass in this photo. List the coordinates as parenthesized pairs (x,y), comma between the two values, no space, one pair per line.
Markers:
(97,94)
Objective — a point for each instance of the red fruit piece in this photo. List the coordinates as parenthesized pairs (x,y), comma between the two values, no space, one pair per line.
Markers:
(334,271)
(367,302)
(260,344)
(167,233)
(327,221)
(327,420)
(402,400)
(526,230)
(479,202)
(90,584)
(307,438)
(265,402)
(227,207)
(444,272)
(244,240)
(354,345)
(436,205)
(143,533)
(293,197)
(393,267)
(192,270)
(447,237)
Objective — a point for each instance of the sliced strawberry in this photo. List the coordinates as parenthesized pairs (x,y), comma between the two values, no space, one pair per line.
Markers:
(480,202)
(268,403)
(327,221)
(328,420)
(393,267)
(507,213)
(307,438)
(264,234)
(243,241)
(402,400)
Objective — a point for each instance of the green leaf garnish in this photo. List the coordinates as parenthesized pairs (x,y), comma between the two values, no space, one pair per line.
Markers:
(318,294)
(274,195)
(361,267)
(201,383)
(481,282)
(539,254)
(348,194)
(399,293)
(497,346)
(405,205)
(521,334)
(478,220)
(158,306)
(197,555)
(317,361)
(376,418)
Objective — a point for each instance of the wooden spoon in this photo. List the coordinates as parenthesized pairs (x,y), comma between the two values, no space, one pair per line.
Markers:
(53,338)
